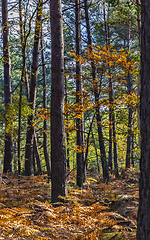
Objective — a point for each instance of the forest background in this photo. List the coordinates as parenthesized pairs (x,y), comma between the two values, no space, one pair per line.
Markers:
(101,88)
(117,72)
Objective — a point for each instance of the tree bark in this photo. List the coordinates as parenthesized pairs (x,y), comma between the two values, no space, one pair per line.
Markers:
(32,99)
(130,111)
(7,87)
(21,83)
(45,146)
(78,97)
(58,150)
(143,220)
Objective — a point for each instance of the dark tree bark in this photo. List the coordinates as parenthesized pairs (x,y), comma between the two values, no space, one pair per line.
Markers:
(130,111)
(32,99)
(78,97)
(110,164)
(58,150)
(7,87)
(115,146)
(23,46)
(45,146)
(143,220)
(96,94)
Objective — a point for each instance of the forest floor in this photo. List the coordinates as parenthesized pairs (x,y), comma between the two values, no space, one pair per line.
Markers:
(98,211)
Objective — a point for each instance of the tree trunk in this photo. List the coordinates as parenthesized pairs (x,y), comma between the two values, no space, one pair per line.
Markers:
(37,155)
(58,150)
(143,220)
(45,146)
(32,99)
(66,101)
(21,83)
(96,94)
(7,87)
(85,162)
(78,97)
(115,147)
(97,160)
(129,87)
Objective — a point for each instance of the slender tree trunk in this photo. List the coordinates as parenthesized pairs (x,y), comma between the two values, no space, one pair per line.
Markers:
(97,160)
(14,158)
(37,155)
(85,162)
(143,220)
(7,87)
(138,5)
(32,99)
(21,83)
(130,111)
(132,149)
(96,94)
(78,97)
(58,150)
(115,146)
(45,145)
(66,101)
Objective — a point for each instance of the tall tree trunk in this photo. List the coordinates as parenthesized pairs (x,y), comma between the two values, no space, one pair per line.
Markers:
(78,97)
(130,111)
(96,94)
(143,220)
(32,99)
(110,95)
(66,101)
(7,87)
(58,150)
(21,83)
(45,146)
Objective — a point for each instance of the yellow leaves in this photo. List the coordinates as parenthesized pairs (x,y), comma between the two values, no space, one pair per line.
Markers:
(128,99)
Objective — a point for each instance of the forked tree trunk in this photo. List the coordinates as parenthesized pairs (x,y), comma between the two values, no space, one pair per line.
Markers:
(78,97)
(58,150)
(96,94)
(7,87)
(143,220)
(32,99)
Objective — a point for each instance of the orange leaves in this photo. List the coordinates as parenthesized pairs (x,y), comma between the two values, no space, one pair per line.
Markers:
(43,114)
(108,57)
